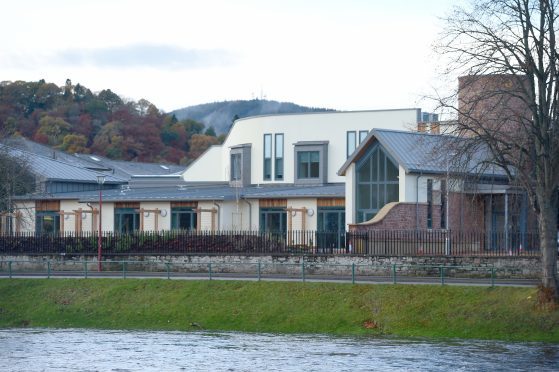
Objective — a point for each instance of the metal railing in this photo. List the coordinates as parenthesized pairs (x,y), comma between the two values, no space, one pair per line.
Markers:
(393,243)
(303,271)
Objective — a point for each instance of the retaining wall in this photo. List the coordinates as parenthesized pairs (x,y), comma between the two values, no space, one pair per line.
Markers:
(504,267)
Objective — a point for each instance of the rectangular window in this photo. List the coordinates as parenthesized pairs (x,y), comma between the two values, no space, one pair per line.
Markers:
(429,203)
(127,220)
(279,157)
(443,204)
(351,143)
(308,164)
(47,222)
(183,218)
(273,220)
(362,135)
(235,167)
(267,157)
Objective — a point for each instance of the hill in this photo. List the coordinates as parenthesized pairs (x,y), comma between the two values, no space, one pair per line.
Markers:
(220,115)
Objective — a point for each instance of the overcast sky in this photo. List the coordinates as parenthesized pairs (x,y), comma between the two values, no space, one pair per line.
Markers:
(345,55)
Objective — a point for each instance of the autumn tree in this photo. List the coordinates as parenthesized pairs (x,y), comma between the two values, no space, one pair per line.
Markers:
(516,121)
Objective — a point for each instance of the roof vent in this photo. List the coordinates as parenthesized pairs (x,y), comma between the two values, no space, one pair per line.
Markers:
(165,167)
(94,158)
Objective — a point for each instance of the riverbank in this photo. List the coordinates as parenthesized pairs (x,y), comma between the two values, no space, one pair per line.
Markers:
(501,313)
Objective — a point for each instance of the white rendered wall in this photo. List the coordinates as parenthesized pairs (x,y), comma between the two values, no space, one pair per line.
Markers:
(208,166)
(163,223)
(331,127)
(297,219)
(234,215)
(27,210)
(70,220)
(350,195)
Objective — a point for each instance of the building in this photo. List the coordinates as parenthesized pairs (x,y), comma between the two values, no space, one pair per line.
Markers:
(273,173)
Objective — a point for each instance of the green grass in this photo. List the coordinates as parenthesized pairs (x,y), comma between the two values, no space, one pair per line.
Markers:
(343,309)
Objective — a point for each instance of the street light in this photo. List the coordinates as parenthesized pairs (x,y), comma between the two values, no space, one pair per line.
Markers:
(100,181)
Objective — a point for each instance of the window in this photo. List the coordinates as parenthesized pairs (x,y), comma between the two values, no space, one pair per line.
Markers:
(127,220)
(330,227)
(183,218)
(377,183)
(273,220)
(429,203)
(47,222)
(267,157)
(351,143)
(278,166)
(235,167)
(362,135)
(443,204)
(308,164)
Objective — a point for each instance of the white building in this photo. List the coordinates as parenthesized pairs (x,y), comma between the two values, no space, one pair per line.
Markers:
(274,173)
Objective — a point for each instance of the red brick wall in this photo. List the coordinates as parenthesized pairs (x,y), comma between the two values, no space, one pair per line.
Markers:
(465,213)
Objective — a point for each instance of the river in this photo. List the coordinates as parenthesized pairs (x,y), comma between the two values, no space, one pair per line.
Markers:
(40,349)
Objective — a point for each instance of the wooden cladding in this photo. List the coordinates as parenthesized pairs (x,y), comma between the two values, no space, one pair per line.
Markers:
(134,205)
(330,202)
(191,204)
(47,205)
(273,203)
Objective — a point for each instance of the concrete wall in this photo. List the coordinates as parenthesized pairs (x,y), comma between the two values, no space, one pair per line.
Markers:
(505,267)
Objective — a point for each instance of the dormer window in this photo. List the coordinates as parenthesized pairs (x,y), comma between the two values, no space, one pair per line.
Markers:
(311,162)
(239,166)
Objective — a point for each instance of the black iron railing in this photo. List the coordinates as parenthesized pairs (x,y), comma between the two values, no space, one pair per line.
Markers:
(395,243)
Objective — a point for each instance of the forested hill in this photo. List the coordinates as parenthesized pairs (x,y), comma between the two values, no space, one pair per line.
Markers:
(74,119)
(220,115)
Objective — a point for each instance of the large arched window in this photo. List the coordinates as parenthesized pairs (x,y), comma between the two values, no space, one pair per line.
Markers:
(377,183)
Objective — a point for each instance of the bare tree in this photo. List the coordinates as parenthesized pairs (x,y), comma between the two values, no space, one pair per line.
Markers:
(16,178)
(507,101)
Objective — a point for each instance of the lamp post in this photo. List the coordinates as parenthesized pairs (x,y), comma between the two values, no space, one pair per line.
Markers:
(100,181)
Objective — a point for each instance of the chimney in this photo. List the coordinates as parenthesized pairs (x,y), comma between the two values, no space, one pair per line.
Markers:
(435,128)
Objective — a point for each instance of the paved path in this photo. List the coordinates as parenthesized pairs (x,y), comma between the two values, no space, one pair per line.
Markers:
(278,277)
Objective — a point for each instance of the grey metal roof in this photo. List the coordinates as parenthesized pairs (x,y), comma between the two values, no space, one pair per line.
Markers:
(117,168)
(222,192)
(419,152)
(55,170)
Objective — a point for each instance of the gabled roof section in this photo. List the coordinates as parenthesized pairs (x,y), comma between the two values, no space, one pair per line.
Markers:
(117,168)
(55,170)
(419,152)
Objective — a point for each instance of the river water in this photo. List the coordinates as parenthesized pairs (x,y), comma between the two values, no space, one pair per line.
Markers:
(119,351)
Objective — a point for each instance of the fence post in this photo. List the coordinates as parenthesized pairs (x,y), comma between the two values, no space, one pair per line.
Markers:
(259,271)
(123,269)
(85,269)
(10,268)
(492,277)
(353,273)
(303,269)
(48,269)
(441,270)
(168,273)
(393,273)
(210,270)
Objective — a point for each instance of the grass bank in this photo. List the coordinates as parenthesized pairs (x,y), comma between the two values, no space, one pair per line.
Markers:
(343,309)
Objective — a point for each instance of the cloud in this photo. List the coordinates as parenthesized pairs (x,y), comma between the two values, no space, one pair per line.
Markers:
(157,56)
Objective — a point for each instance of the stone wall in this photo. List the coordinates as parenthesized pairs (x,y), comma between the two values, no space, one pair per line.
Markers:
(505,267)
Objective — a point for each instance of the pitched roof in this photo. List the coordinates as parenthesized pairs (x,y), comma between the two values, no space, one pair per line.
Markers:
(56,170)
(117,168)
(222,192)
(419,152)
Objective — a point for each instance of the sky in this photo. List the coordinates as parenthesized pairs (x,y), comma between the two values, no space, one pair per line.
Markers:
(344,55)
